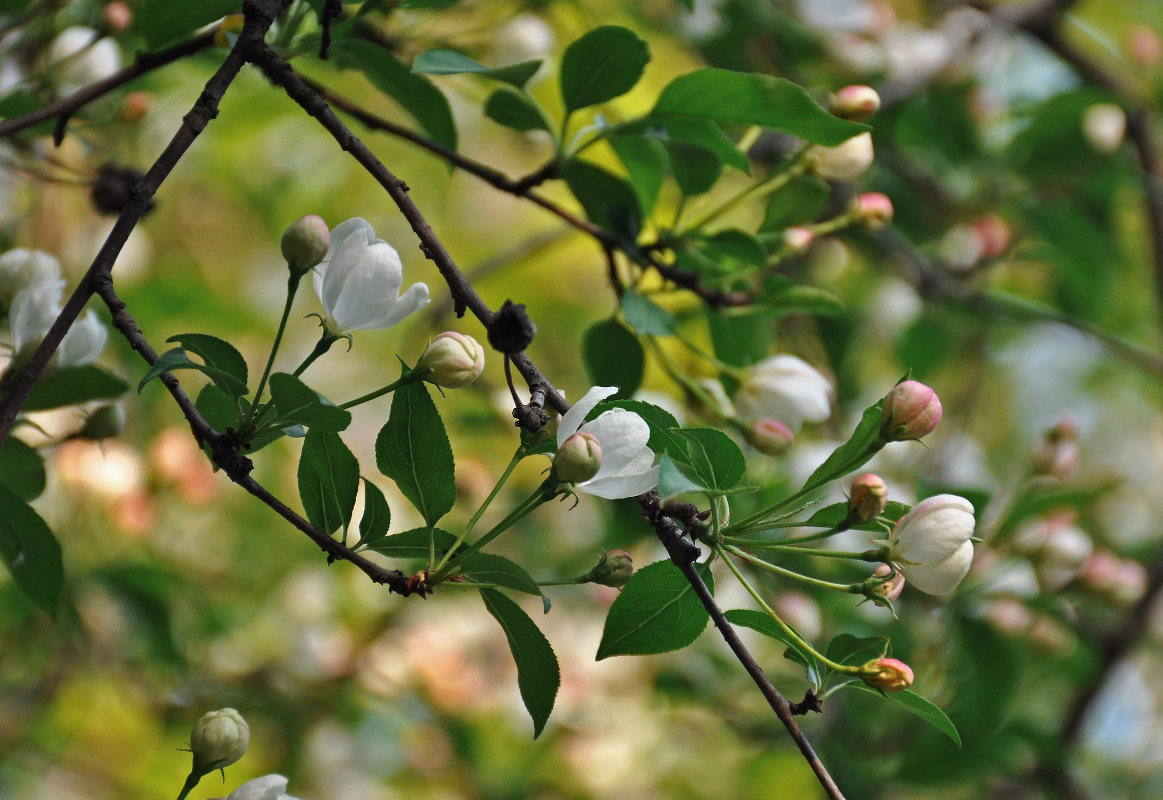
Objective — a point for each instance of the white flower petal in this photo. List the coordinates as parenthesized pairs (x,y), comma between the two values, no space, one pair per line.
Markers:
(34,309)
(618,486)
(369,289)
(412,300)
(268,787)
(935,529)
(622,436)
(577,413)
(945,575)
(787,389)
(83,343)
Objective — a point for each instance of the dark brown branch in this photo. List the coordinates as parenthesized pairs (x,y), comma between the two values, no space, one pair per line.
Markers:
(67,106)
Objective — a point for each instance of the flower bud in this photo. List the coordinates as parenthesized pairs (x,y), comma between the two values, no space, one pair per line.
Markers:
(1104,125)
(117,16)
(856,102)
(874,210)
(218,740)
(1059,455)
(136,106)
(1132,583)
(994,234)
(797,239)
(887,674)
(578,459)
(891,587)
(911,411)
(305,243)
(869,495)
(615,568)
(104,423)
(843,162)
(770,436)
(452,360)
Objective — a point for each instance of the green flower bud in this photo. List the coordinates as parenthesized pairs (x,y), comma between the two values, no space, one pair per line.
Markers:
(305,243)
(614,569)
(218,739)
(104,423)
(578,459)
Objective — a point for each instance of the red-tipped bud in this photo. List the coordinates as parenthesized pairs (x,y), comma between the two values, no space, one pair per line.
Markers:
(305,243)
(887,674)
(452,360)
(578,459)
(136,106)
(117,16)
(856,102)
(797,238)
(874,210)
(993,233)
(615,568)
(770,436)
(891,588)
(911,411)
(868,497)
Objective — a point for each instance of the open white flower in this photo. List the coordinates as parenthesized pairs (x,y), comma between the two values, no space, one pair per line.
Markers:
(79,56)
(627,463)
(34,310)
(268,787)
(787,389)
(931,544)
(359,282)
(20,268)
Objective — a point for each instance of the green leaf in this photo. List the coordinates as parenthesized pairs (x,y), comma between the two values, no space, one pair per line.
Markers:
(162,21)
(656,612)
(695,168)
(177,358)
(603,64)
(491,568)
(31,552)
(413,450)
(450,62)
(787,297)
(741,340)
(217,407)
(833,515)
(71,385)
(21,469)
(797,203)
(538,676)
(377,516)
(645,161)
(299,404)
(413,92)
(763,623)
(864,443)
(414,543)
(672,481)
(328,481)
(645,316)
(661,422)
(707,134)
(714,457)
(516,110)
(854,651)
(753,99)
(219,355)
(733,248)
(613,357)
(917,705)
(609,201)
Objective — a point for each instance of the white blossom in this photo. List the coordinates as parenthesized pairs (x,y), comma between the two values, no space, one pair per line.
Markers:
(20,268)
(627,463)
(787,389)
(268,787)
(931,544)
(37,306)
(359,282)
(81,58)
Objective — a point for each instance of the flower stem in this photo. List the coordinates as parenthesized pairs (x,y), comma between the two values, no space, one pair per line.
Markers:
(191,781)
(768,186)
(787,629)
(409,377)
(847,588)
(321,347)
(806,551)
(292,287)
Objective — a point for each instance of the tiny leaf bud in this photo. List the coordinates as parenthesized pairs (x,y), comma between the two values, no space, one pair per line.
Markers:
(511,330)
(218,739)
(869,495)
(874,210)
(856,102)
(887,674)
(578,459)
(615,568)
(452,360)
(770,436)
(911,411)
(305,243)
(104,423)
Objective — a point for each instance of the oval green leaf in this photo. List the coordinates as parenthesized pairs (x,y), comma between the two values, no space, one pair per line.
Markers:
(413,450)
(538,676)
(656,612)
(613,357)
(603,64)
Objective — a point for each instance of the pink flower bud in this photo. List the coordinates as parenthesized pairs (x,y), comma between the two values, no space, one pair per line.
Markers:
(452,360)
(305,243)
(615,568)
(1144,45)
(887,674)
(874,210)
(1132,583)
(994,234)
(136,106)
(797,238)
(770,436)
(890,589)
(844,162)
(578,459)
(911,411)
(856,102)
(117,16)
(868,497)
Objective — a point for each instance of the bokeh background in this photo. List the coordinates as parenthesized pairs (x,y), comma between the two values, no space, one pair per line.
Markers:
(1018,280)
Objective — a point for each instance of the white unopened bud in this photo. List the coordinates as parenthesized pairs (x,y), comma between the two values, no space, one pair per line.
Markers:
(797,238)
(1104,125)
(578,459)
(843,162)
(305,243)
(218,739)
(452,360)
